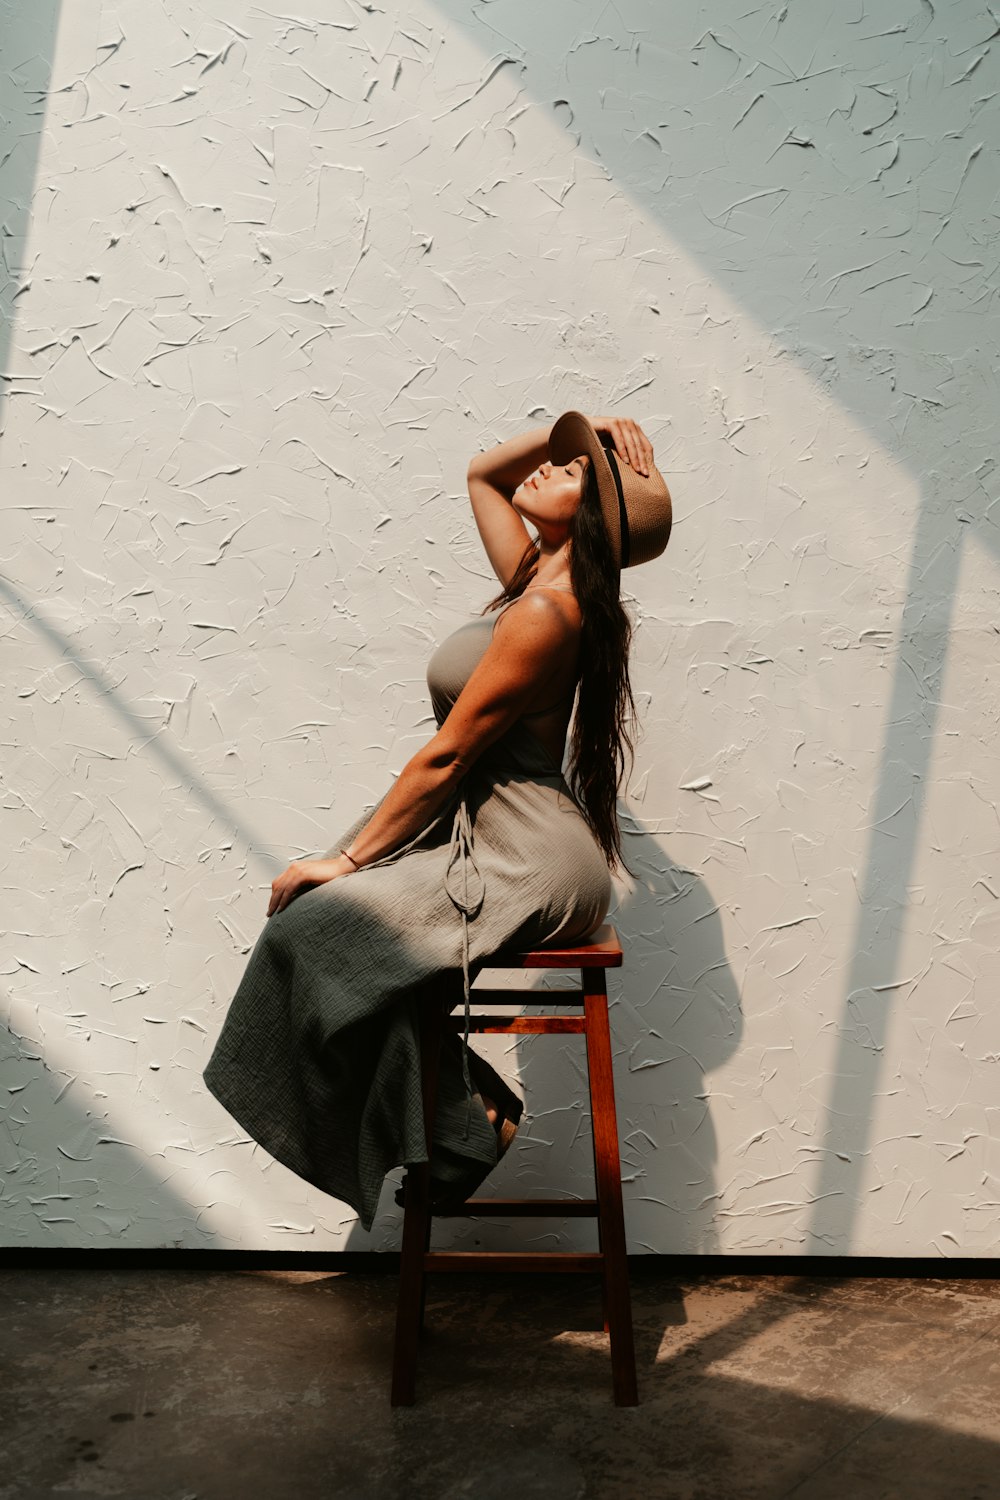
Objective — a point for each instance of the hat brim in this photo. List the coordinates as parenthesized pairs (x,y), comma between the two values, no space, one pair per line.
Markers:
(573,435)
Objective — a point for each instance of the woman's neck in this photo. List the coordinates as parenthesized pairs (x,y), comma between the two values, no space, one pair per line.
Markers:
(552,569)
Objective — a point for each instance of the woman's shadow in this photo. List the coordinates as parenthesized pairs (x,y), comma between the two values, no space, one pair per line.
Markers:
(675,1018)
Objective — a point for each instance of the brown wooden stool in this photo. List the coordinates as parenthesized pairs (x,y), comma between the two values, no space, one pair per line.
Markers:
(593,959)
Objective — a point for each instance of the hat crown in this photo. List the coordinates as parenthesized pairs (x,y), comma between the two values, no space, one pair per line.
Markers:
(637,508)
(648,512)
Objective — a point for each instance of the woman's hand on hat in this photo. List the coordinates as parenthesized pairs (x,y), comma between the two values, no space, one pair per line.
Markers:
(301,875)
(630,442)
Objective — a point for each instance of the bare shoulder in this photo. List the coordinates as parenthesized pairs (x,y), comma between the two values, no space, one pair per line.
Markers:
(541,617)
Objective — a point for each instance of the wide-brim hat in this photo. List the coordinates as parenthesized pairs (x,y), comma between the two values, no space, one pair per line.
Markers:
(637,508)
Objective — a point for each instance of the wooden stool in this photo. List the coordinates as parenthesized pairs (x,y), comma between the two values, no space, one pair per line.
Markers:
(593,959)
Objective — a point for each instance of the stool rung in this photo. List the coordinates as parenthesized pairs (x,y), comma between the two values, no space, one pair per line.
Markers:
(539,1024)
(526,1208)
(506,1260)
(506,1011)
(528,997)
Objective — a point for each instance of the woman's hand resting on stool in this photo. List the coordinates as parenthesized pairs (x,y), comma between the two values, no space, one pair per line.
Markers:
(303,874)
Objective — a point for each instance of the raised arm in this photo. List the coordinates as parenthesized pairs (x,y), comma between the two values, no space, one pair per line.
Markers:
(494,476)
(492,479)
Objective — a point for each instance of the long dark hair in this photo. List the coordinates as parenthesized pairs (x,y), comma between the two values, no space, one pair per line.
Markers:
(605,720)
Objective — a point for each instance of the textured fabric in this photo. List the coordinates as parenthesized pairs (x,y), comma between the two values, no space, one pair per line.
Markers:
(319,1056)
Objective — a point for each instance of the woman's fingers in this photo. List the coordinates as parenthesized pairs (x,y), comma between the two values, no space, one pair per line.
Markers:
(277,888)
(629,440)
(301,873)
(624,444)
(644,448)
(284,888)
(629,444)
(636,457)
(614,430)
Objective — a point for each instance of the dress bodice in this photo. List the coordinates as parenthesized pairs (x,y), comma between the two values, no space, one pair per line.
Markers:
(449,669)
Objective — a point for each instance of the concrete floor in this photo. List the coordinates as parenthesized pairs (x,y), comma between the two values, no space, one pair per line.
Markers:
(228,1385)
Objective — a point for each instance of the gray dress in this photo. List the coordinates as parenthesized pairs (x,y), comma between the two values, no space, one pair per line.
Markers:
(319,1057)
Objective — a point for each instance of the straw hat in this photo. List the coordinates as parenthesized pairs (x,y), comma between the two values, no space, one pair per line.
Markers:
(636,507)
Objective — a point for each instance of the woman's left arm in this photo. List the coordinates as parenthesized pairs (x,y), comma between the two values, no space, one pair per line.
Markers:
(528,644)
(419,792)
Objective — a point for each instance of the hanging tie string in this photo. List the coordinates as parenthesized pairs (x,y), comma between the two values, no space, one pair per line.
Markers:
(464,884)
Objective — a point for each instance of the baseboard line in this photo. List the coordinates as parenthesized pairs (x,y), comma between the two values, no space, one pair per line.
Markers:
(386,1262)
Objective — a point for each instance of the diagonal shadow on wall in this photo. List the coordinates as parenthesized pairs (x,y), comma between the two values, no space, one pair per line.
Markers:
(734,80)
(63,1153)
(732,129)
(172,760)
(27,44)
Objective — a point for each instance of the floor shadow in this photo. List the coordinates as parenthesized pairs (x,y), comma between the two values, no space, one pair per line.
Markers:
(806,1393)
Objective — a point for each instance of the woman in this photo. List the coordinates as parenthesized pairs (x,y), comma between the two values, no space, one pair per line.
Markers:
(480,844)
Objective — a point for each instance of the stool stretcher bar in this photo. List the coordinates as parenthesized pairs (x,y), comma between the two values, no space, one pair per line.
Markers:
(507,1260)
(520,1024)
(525,1208)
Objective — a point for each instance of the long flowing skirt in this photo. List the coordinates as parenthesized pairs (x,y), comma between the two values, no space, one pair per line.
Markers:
(319,1057)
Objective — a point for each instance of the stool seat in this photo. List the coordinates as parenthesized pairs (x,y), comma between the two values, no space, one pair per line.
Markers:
(602,950)
(592,958)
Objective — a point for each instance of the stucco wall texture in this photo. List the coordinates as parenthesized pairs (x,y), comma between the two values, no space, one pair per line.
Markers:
(273,278)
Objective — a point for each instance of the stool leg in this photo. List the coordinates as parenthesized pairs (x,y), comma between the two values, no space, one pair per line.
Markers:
(607,1169)
(423,1278)
(416,1222)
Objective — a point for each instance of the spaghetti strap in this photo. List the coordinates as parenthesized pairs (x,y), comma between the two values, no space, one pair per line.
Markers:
(500,611)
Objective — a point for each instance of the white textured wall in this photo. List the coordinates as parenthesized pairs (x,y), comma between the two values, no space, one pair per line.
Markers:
(273,280)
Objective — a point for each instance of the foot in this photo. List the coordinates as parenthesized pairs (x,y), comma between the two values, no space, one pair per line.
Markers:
(448,1195)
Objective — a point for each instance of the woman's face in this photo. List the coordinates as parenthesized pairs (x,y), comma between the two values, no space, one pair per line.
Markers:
(552,494)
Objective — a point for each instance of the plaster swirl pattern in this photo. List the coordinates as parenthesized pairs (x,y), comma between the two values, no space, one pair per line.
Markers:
(272,279)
